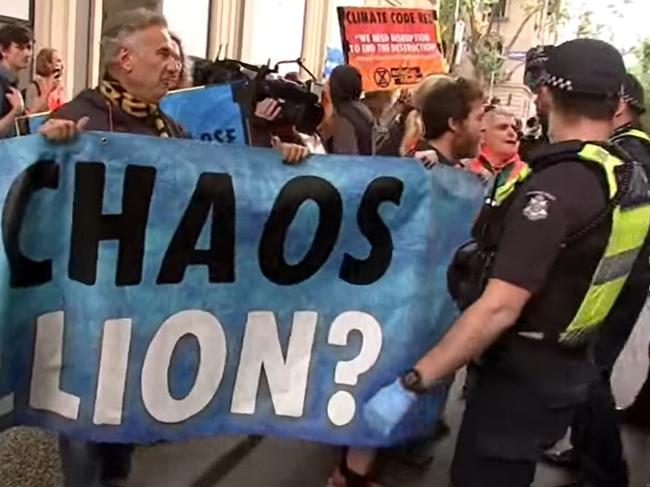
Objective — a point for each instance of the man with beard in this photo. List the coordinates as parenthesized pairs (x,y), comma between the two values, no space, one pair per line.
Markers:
(452,114)
(595,434)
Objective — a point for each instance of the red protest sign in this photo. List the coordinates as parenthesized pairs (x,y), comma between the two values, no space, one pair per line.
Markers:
(391,47)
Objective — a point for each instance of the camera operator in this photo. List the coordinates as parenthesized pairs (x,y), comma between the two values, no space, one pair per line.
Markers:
(278,111)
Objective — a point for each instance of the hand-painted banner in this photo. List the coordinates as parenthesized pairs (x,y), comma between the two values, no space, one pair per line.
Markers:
(392,47)
(209,113)
(159,289)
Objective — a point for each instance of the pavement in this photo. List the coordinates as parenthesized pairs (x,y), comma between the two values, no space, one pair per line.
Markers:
(29,457)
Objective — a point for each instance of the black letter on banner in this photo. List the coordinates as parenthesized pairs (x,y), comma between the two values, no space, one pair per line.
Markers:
(25,272)
(90,225)
(293,195)
(213,192)
(363,272)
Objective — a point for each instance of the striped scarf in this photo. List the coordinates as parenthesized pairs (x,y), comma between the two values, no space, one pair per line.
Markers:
(117,95)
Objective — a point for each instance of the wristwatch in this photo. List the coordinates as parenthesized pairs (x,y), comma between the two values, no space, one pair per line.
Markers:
(412,382)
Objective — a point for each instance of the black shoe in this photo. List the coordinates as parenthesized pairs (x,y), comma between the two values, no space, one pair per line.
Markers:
(564,459)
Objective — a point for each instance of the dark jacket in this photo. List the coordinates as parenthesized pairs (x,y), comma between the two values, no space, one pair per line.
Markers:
(7,81)
(352,130)
(105,116)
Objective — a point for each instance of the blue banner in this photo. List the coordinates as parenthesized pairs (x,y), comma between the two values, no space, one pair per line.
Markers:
(207,113)
(158,289)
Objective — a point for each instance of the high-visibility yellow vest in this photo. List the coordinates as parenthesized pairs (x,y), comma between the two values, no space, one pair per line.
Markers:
(639,134)
(630,225)
(506,189)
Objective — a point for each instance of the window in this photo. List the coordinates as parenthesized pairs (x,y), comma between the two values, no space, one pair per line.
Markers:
(16,9)
(274,29)
(500,10)
(189,20)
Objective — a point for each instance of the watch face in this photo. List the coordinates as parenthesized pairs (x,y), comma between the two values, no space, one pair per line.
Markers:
(412,379)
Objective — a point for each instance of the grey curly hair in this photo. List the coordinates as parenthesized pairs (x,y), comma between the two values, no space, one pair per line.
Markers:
(124,25)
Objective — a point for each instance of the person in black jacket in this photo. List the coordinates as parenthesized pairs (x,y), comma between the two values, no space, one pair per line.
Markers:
(141,65)
(15,56)
(597,448)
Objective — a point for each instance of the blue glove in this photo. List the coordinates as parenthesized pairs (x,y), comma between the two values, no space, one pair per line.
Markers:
(388,407)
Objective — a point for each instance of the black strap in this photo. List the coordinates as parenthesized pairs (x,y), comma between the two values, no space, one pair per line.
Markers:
(571,150)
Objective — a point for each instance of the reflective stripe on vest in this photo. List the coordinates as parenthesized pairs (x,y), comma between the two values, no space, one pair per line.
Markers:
(639,134)
(628,232)
(511,183)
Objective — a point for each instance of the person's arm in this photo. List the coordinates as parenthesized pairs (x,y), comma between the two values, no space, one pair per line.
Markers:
(477,328)
(34,101)
(536,225)
(17,107)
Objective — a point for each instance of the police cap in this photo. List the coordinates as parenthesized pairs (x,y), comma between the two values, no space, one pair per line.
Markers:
(536,59)
(586,67)
(633,94)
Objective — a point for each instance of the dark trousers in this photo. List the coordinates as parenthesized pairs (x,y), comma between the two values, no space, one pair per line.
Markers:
(509,418)
(596,436)
(88,464)
(596,439)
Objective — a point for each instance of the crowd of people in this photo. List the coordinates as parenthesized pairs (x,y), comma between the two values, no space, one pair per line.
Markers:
(550,286)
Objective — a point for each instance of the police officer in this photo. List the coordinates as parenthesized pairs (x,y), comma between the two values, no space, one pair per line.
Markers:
(536,59)
(556,253)
(596,438)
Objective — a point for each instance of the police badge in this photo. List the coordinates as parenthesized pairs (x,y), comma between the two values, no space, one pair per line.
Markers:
(537,207)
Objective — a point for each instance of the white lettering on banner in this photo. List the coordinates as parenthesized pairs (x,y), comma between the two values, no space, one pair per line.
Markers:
(155,372)
(45,392)
(342,406)
(113,367)
(261,349)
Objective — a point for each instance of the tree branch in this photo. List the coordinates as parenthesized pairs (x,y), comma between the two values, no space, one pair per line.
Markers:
(508,76)
(523,24)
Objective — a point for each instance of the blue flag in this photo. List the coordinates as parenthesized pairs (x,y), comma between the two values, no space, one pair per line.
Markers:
(209,113)
(159,289)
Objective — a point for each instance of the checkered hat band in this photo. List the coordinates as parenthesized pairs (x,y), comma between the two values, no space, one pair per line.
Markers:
(558,82)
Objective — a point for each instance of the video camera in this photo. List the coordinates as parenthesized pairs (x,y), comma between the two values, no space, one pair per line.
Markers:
(300,103)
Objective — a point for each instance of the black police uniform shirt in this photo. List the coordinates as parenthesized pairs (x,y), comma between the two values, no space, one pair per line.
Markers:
(549,208)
